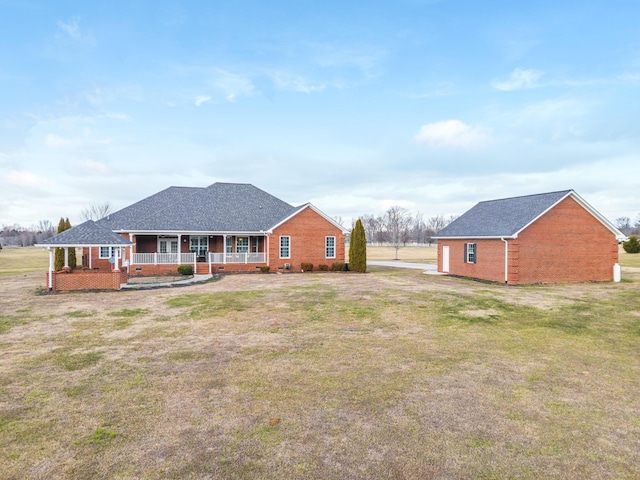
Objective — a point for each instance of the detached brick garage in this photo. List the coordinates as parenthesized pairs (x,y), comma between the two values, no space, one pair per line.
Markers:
(545,238)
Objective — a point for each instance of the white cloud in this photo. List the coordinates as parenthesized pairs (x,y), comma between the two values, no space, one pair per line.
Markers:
(72,30)
(233,85)
(54,141)
(452,134)
(296,83)
(94,166)
(202,99)
(23,179)
(519,80)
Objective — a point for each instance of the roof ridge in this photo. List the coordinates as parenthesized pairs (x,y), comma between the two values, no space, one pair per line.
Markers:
(527,196)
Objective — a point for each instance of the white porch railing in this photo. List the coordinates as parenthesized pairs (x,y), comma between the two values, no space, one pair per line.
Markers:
(163,258)
(190,258)
(236,257)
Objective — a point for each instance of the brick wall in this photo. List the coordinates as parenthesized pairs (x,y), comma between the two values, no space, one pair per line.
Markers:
(87,280)
(567,244)
(307,230)
(490,259)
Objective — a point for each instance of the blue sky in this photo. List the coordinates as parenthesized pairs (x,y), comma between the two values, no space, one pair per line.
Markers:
(354,106)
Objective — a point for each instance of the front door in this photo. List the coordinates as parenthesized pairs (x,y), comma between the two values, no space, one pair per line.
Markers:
(199,245)
(445,259)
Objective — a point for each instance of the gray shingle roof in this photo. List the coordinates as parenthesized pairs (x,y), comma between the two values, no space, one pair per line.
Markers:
(221,207)
(501,218)
(88,233)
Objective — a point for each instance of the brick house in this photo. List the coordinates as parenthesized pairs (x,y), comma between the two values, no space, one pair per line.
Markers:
(544,238)
(225,227)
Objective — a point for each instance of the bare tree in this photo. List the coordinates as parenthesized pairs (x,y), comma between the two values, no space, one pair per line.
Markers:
(373,228)
(96,211)
(624,225)
(397,223)
(419,229)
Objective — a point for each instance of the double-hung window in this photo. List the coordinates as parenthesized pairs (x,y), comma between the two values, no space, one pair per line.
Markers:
(330,247)
(285,246)
(470,252)
(109,252)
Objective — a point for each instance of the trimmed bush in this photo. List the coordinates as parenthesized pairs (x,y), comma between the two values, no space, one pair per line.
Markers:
(358,249)
(58,262)
(306,266)
(337,266)
(265,268)
(323,268)
(632,245)
(185,269)
(73,263)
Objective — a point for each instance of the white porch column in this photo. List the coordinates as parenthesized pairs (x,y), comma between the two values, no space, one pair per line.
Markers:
(179,248)
(224,255)
(131,251)
(66,257)
(51,250)
(266,250)
(116,253)
(90,263)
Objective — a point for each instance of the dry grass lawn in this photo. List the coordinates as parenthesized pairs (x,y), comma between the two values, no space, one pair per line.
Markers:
(387,375)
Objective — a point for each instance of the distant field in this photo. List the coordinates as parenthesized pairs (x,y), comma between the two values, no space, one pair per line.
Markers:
(17,260)
(408,254)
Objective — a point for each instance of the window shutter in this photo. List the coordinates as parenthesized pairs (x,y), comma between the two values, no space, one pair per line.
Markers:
(475,256)
(465,253)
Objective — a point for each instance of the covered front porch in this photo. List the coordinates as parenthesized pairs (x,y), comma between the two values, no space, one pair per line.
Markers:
(161,252)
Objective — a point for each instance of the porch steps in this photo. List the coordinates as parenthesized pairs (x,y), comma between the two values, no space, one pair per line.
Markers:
(202,269)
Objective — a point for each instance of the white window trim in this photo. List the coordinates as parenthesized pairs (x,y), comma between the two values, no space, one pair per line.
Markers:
(327,247)
(168,240)
(243,245)
(288,246)
(111,252)
(471,255)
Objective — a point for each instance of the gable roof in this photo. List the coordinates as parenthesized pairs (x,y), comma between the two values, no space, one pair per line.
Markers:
(304,207)
(221,207)
(88,233)
(508,217)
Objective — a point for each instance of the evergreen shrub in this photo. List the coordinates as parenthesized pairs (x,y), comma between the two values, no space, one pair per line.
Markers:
(185,269)
(632,245)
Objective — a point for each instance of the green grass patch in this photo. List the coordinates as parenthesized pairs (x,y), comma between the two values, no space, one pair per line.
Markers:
(75,361)
(80,314)
(101,436)
(217,304)
(128,312)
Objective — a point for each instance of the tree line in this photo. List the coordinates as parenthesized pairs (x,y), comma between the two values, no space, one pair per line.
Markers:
(398,228)
(397,225)
(19,236)
(627,226)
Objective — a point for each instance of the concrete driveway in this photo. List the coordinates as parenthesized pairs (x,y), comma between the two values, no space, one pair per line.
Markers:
(430,268)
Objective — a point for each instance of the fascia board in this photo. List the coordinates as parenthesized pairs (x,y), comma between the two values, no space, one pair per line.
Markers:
(182,232)
(77,245)
(479,237)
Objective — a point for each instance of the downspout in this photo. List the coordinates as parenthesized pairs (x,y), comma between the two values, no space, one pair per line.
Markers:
(50,268)
(506,260)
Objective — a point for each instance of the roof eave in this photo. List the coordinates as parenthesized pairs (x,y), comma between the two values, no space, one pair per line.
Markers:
(480,237)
